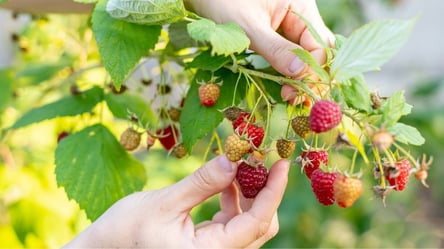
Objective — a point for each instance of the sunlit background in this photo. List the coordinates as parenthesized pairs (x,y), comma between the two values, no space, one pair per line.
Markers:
(34,212)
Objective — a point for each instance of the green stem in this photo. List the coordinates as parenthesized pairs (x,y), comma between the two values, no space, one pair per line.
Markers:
(403,151)
(381,170)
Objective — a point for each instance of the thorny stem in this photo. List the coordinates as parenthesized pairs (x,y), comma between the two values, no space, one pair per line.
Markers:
(298,84)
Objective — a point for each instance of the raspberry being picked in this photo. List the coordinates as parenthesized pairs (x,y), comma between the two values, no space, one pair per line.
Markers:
(251,179)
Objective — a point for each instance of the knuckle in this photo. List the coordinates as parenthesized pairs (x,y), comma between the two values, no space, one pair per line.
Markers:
(202,179)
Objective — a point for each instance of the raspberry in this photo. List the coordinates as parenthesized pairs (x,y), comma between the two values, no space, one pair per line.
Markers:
(285,147)
(397,174)
(62,135)
(179,150)
(243,117)
(347,190)
(130,139)
(301,126)
(311,159)
(174,114)
(168,136)
(253,132)
(382,140)
(324,116)
(232,113)
(322,186)
(251,179)
(236,148)
(209,94)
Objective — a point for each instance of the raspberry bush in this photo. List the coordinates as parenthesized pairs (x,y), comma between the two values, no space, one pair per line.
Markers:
(153,82)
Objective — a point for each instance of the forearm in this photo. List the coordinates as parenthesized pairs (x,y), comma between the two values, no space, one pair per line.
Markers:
(46,6)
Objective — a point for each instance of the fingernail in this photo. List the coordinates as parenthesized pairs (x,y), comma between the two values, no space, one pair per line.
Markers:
(296,66)
(226,164)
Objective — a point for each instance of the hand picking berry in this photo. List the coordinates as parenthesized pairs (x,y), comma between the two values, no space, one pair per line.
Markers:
(324,116)
(251,179)
(209,93)
(130,139)
(322,186)
(347,190)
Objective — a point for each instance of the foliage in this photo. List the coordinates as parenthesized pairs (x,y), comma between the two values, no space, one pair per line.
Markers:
(95,103)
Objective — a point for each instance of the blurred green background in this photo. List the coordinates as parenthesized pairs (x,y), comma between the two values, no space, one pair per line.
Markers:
(34,212)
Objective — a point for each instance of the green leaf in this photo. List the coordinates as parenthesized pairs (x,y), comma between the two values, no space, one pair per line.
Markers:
(226,39)
(149,12)
(95,170)
(122,104)
(406,134)
(67,106)
(6,77)
(357,94)
(35,73)
(369,47)
(196,120)
(179,37)
(308,58)
(121,44)
(206,61)
(339,40)
(394,108)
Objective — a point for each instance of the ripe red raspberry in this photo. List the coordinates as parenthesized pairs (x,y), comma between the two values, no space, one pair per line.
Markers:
(130,139)
(236,147)
(324,116)
(347,190)
(285,147)
(209,94)
(397,174)
(243,117)
(253,132)
(168,136)
(311,159)
(322,186)
(251,179)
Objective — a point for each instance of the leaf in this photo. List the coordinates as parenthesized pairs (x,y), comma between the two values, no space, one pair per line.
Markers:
(369,47)
(149,12)
(6,78)
(355,141)
(226,39)
(308,58)
(67,106)
(206,61)
(196,120)
(35,73)
(122,104)
(406,134)
(357,94)
(95,170)
(121,44)
(394,108)
(179,37)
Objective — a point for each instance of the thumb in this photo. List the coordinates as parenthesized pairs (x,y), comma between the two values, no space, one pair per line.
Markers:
(210,179)
(278,52)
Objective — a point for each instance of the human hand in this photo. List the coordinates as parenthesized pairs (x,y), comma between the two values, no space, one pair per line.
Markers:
(261,18)
(161,218)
